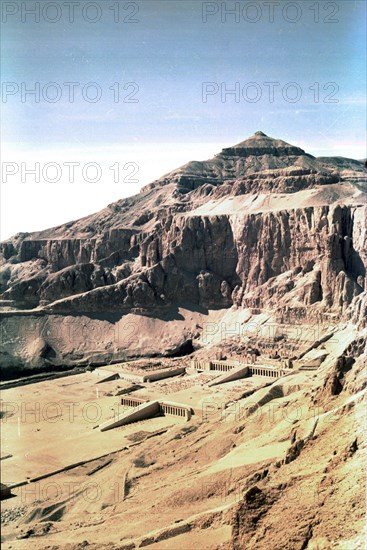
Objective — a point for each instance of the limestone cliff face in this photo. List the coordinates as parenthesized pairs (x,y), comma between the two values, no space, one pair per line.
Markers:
(61,253)
(235,256)
(314,244)
(262,225)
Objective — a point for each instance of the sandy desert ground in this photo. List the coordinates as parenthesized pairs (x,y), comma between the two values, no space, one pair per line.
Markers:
(292,449)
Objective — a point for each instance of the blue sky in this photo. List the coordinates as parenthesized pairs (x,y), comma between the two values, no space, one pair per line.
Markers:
(169,52)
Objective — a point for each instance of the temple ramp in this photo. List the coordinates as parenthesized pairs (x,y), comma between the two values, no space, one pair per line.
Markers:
(163,373)
(108,378)
(234,374)
(142,412)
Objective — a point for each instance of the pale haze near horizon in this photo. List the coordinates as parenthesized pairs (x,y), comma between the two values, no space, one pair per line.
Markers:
(38,206)
(170,52)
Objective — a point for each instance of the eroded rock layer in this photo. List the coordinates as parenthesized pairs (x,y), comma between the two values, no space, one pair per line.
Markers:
(261,225)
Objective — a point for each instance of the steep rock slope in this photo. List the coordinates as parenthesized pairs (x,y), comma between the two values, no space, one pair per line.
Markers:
(261,225)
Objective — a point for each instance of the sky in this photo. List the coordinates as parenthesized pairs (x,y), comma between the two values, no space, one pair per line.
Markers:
(128,91)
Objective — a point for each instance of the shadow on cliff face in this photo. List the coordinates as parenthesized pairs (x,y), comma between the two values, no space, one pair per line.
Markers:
(109,316)
(185,348)
(168,313)
(171,314)
(20,370)
(357,267)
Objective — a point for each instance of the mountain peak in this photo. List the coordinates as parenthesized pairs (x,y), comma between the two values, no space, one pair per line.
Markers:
(260,144)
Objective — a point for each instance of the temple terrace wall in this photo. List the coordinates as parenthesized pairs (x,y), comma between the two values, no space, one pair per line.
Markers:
(139,375)
(165,407)
(228,366)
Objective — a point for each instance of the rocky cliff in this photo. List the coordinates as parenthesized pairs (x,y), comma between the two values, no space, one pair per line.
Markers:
(261,225)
